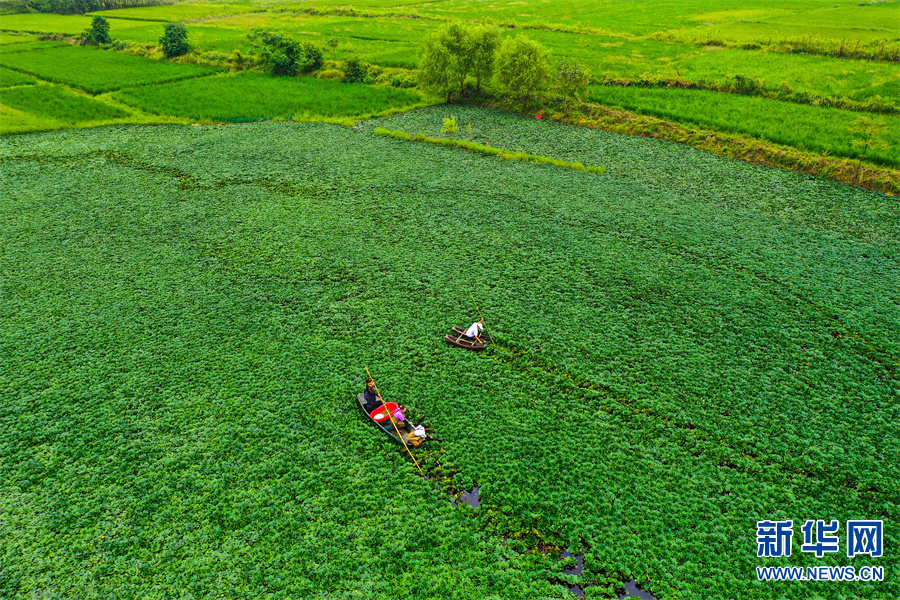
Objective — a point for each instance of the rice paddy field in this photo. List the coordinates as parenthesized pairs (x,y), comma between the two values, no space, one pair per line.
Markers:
(812,128)
(96,71)
(807,51)
(263,96)
(684,345)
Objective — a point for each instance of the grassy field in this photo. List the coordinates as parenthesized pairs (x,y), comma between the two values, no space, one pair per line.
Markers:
(97,71)
(822,130)
(686,345)
(256,95)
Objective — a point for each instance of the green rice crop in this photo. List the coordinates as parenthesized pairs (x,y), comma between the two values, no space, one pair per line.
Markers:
(46,23)
(8,39)
(848,21)
(604,55)
(257,95)
(59,105)
(385,42)
(9,78)
(823,130)
(29,46)
(383,29)
(820,75)
(774,32)
(394,42)
(71,25)
(659,15)
(175,12)
(98,71)
(687,345)
(204,39)
(17,121)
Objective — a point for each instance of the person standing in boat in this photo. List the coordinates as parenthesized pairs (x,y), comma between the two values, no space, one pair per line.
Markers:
(474,330)
(371,396)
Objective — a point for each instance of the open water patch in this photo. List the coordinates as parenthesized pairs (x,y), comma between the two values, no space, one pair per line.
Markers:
(578,590)
(631,587)
(633,591)
(471,498)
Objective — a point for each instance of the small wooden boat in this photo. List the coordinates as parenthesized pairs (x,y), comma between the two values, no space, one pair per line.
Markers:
(458,338)
(379,417)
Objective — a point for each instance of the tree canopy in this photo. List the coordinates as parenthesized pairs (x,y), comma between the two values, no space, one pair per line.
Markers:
(523,66)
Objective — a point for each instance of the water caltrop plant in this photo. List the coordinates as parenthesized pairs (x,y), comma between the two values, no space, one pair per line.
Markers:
(657,333)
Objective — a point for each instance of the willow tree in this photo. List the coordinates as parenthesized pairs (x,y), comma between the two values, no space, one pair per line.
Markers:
(485,41)
(523,67)
(572,83)
(435,67)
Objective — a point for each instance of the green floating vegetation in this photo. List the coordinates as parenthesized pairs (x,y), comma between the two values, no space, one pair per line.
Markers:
(501,152)
(684,349)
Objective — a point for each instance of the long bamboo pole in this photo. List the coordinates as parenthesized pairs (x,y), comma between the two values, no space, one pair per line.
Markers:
(399,435)
(479,314)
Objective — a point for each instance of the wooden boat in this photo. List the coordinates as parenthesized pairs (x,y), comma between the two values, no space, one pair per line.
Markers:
(458,338)
(378,417)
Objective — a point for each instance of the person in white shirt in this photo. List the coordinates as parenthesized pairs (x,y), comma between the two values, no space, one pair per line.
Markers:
(474,330)
(418,435)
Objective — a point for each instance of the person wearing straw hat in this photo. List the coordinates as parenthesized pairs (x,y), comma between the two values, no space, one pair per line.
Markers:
(474,330)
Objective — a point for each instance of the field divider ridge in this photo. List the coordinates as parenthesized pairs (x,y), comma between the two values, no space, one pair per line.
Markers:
(490,150)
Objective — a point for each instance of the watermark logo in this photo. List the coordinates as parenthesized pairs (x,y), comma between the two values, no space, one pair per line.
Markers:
(826,543)
(865,537)
(773,539)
